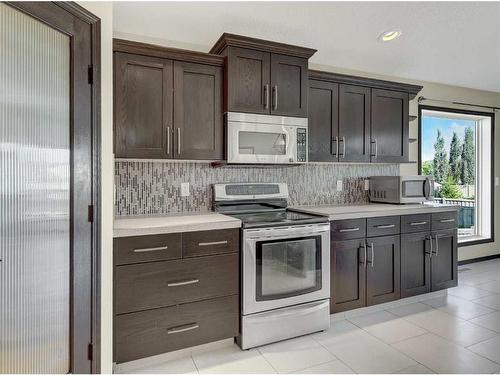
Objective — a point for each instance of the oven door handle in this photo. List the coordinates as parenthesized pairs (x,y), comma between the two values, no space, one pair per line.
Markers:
(306,311)
(276,233)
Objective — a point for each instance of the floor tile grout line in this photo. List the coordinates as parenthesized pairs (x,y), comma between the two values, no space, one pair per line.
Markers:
(194,362)
(482,356)
(265,359)
(324,346)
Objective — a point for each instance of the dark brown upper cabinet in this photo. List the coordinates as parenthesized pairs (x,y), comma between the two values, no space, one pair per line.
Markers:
(354,123)
(370,122)
(390,126)
(143,106)
(168,103)
(323,121)
(198,125)
(264,77)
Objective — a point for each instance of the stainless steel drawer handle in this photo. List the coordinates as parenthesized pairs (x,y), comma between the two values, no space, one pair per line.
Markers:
(447,220)
(348,230)
(385,226)
(212,243)
(184,328)
(186,282)
(436,250)
(147,249)
(372,261)
(418,223)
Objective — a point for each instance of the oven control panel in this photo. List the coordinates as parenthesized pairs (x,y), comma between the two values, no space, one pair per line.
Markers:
(301,145)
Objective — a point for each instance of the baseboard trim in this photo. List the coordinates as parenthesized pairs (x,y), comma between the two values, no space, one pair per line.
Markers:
(480,259)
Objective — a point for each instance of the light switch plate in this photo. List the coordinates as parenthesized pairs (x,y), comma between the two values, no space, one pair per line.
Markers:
(340,185)
(367,185)
(184,189)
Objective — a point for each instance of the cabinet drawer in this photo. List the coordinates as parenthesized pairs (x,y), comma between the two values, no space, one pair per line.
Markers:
(128,250)
(382,226)
(415,223)
(348,229)
(210,242)
(160,284)
(148,333)
(444,220)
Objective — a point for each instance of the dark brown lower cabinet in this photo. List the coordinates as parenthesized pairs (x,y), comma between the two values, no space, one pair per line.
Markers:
(348,275)
(444,268)
(383,269)
(415,264)
(151,332)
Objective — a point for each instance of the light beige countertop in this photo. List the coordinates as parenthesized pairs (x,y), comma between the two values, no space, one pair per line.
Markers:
(186,222)
(373,210)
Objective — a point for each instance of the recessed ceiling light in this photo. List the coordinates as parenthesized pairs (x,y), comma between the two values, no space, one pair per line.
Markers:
(387,36)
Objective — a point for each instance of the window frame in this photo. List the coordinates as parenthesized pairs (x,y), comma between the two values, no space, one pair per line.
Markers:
(491,115)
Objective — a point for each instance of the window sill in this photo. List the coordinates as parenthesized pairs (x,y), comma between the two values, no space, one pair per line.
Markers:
(474,240)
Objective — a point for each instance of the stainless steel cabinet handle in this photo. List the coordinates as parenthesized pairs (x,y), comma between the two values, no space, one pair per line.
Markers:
(376,148)
(336,148)
(343,148)
(432,247)
(275,97)
(366,254)
(429,238)
(212,243)
(178,141)
(437,246)
(372,261)
(168,140)
(266,96)
(413,223)
(184,328)
(182,283)
(348,230)
(385,226)
(447,220)
(147,249)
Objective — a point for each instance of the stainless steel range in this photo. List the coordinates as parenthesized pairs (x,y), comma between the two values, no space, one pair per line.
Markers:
(285,263)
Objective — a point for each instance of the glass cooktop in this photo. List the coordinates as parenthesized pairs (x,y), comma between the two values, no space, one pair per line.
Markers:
(277,218)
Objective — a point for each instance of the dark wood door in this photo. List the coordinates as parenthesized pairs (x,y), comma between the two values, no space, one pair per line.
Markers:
(249,80)
(354,123)
(198,122)
(347,275)
(323,121)
(289,81)
(444,266)
(383,270)
(143,106)
(389,126)
(415,264)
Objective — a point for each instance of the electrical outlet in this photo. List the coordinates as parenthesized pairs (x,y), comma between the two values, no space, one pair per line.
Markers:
(184,189)
(367,185)
(340,186)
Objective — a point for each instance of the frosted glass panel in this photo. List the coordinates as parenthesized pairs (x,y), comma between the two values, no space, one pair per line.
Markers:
(34,195)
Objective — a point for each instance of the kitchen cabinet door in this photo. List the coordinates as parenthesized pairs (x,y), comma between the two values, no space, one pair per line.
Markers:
(354,123)
(383,269)
(143,106)
(323,121)
(415,264)
(347,275)
(248,78)
(198,123)
(289,81)
(444,264)
(389,126)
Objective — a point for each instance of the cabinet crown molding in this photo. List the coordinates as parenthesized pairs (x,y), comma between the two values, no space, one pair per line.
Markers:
(412,90)
(139,48)
(240,41)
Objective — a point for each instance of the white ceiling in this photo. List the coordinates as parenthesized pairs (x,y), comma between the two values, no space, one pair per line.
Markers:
(455,43)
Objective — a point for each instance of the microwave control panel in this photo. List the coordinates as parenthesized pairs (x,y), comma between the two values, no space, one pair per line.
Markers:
(301,145)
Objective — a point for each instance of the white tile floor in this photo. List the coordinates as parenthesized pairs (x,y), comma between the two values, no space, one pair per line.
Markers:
(454,333)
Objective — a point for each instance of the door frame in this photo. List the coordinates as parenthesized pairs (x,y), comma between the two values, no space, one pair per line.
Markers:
(42,12)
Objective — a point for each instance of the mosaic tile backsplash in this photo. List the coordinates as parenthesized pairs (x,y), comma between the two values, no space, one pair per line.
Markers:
(151,188)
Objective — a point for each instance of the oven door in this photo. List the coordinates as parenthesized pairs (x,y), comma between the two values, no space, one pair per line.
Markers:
(416,189)
(285,266)
(261,143)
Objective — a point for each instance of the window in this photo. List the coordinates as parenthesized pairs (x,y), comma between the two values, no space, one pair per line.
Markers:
(455,148)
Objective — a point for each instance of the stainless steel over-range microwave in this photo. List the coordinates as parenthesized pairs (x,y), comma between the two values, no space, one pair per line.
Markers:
(401,189)
(265,139)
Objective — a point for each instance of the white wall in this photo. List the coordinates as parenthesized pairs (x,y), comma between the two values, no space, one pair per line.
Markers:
(104,10)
